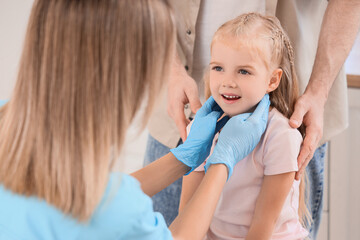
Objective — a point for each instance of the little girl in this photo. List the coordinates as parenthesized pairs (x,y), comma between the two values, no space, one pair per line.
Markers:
(251,56)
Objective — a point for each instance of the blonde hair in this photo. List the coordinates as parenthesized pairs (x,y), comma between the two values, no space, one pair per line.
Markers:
(269,29)
(86,67)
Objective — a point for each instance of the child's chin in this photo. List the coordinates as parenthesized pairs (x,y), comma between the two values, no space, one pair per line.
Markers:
(234,113)
(231,114)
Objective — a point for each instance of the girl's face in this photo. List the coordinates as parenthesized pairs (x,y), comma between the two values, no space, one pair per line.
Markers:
(239,78)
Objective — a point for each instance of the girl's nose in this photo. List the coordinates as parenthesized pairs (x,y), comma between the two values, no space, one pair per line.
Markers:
(228,81)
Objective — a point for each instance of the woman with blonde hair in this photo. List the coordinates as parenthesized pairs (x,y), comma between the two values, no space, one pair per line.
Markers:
(86,67)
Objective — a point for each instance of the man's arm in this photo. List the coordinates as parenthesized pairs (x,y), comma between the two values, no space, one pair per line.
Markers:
(339,28)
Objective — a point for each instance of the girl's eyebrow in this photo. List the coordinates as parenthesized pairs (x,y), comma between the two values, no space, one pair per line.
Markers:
(216,63)
(246,66)
(239,66)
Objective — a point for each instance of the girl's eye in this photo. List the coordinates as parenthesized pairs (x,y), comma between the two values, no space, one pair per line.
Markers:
(217,68)
(244,72)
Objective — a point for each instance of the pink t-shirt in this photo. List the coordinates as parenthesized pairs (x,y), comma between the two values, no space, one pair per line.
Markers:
(276,153)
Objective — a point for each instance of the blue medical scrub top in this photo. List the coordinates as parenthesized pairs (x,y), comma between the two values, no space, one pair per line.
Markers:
(124,213)
(2,102)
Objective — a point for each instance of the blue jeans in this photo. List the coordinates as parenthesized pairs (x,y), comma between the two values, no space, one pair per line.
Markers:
(315,173)
(167,201)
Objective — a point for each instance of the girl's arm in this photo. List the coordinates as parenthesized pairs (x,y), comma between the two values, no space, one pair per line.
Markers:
(274,190)
(189,185)
(194,220)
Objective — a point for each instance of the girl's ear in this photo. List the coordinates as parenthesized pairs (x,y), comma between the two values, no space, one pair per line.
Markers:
(275,80)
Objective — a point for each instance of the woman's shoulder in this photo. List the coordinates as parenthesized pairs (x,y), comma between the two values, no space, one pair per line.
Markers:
(123,199)
(122,207)
(126,211)
(28,217)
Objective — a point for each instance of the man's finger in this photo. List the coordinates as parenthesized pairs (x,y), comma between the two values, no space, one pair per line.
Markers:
(297,117)
(194,100)
(178,115)
(301,170)
(181,125)
(308,148)
(312,137)
(305,155)
(298,175)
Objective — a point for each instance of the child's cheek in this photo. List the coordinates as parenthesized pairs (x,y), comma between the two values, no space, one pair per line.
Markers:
(214,90)
(252,97)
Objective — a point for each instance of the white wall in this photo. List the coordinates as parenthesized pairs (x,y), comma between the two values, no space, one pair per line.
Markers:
(14,15)
(352,64)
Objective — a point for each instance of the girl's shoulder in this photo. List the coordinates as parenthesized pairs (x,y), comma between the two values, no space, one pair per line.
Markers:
(280,145)
(278,126)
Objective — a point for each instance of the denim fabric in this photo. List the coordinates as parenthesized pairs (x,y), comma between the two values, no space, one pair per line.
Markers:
(315,172)
(167,201)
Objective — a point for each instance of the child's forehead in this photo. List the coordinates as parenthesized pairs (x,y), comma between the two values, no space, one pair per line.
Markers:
(258,45)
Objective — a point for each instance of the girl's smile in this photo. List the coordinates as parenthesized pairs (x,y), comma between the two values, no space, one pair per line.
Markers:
(230,98)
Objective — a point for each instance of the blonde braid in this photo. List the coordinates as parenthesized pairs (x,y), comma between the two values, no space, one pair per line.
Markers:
(289,48)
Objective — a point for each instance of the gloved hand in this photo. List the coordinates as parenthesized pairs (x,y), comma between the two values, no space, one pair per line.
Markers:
(240,136)
(197,146)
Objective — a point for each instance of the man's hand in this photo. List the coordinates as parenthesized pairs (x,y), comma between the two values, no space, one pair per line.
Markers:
(182,89)
(309,110)
(337,35)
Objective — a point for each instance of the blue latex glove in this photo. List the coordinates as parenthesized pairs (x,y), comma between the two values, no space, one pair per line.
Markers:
(240,136)
(197,146)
